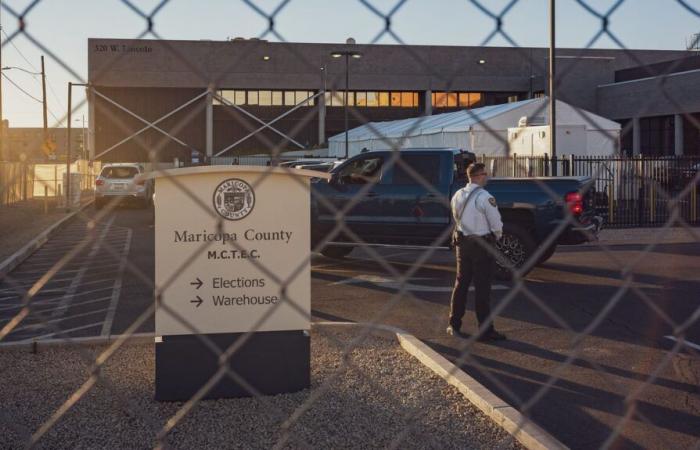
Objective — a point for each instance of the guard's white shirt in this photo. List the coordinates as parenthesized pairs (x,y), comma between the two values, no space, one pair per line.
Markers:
(481,215)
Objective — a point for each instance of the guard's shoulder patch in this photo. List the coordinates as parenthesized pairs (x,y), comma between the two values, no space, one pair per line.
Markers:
(492,201)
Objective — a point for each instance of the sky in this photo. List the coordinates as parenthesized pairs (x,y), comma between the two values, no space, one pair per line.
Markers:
(63,27)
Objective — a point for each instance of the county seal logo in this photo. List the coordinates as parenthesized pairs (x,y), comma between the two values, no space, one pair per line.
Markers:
(234,199)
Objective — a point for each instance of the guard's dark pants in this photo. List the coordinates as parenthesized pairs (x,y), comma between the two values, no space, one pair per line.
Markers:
(474,262)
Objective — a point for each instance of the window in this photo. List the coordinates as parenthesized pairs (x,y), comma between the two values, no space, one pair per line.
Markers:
(512,98)
(289,98)
(475,99)
(464,100)
(372,99)
(440,99)
(276,98)
(361,98)
(427,166)
(383,99)
(265,98)
(451,99)
(337,98)
(116,172)
(407,99)
(395,99)
(252,97)
(362,171)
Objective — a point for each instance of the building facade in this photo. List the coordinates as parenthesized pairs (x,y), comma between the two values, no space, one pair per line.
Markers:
(172,99)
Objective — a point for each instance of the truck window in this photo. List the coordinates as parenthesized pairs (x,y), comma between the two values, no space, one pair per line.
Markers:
(427,166)
(362,171)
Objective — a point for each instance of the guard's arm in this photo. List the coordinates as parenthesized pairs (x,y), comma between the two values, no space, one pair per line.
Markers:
(493,216)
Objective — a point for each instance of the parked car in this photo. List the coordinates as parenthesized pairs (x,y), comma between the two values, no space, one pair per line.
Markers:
(399,210)
(123,180)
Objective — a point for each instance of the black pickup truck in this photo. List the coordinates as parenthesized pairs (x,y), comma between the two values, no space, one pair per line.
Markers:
(386,203)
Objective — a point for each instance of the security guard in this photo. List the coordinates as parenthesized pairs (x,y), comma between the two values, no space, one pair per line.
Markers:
(479,225)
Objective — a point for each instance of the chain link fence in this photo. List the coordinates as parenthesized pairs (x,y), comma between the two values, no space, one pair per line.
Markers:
(30,308)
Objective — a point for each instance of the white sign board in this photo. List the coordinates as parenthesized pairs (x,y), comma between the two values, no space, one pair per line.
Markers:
(227,241)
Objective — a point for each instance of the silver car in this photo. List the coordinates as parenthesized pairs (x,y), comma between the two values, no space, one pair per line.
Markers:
(120,180)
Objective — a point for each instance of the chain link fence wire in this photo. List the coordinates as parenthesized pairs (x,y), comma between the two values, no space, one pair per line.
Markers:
(31,305)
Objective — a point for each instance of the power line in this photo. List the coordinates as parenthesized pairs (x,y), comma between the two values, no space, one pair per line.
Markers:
(12,42)
(48,81)
(20,88)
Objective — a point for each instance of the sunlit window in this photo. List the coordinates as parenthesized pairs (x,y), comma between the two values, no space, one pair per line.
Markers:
(252,97)
(451,99)
(372,99)
(361,98)
(383,99)
(289,98)
(265,98)
(407,99)
(395,99)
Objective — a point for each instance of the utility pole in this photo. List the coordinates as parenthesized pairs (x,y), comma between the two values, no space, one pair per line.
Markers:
(43,91)
(70,108)
(552,94)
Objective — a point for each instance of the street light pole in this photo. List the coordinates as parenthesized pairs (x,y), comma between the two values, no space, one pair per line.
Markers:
(345,103)
(347,54)
(43,91)
(552,93)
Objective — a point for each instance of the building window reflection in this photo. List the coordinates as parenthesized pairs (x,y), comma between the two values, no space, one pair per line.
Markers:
(456,99)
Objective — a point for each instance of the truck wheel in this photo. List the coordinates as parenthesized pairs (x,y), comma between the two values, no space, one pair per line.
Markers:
(516,246)
(547,254)
(336,252)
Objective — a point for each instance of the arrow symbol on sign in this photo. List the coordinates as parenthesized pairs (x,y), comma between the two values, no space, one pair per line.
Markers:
(198,301)
(197,283)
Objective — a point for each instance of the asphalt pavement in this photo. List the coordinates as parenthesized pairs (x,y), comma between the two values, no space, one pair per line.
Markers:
(591,354)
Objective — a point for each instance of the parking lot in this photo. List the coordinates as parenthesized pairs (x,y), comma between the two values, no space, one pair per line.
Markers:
(584,337)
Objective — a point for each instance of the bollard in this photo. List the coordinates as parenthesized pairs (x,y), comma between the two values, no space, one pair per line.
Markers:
(46,199)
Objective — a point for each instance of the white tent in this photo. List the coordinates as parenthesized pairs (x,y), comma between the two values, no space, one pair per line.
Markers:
(480,130)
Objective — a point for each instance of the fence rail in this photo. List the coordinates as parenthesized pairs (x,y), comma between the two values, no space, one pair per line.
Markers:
(629,192)
(22,181)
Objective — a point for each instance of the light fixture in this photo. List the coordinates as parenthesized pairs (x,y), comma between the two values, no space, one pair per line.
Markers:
(336,55)
(266,58)
(482,61)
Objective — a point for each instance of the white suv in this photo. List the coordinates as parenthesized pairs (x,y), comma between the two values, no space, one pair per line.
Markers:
(119,180)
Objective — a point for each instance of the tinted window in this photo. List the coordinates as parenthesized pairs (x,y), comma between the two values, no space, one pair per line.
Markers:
(120,172)
(427,166)
(361,171)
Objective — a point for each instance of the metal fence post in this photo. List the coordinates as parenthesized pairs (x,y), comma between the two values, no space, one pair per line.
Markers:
(515,165)
(572,160)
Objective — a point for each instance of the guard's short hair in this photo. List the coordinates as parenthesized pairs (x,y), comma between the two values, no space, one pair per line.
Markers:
(474,169)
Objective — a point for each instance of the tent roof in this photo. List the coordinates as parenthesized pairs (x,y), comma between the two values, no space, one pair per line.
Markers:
(464,120)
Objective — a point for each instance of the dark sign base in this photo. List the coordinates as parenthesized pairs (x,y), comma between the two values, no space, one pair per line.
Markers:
(272,362)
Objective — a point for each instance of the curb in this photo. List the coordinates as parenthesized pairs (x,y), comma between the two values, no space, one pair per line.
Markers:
(510,419)
(35,244)
(530,435)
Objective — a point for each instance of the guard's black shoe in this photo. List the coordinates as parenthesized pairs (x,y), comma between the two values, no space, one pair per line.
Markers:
(452,331)
(491,335)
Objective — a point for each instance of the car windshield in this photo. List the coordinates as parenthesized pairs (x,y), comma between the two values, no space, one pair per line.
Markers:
(119,172)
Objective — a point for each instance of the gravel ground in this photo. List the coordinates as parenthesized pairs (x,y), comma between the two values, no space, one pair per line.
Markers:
(384,397)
